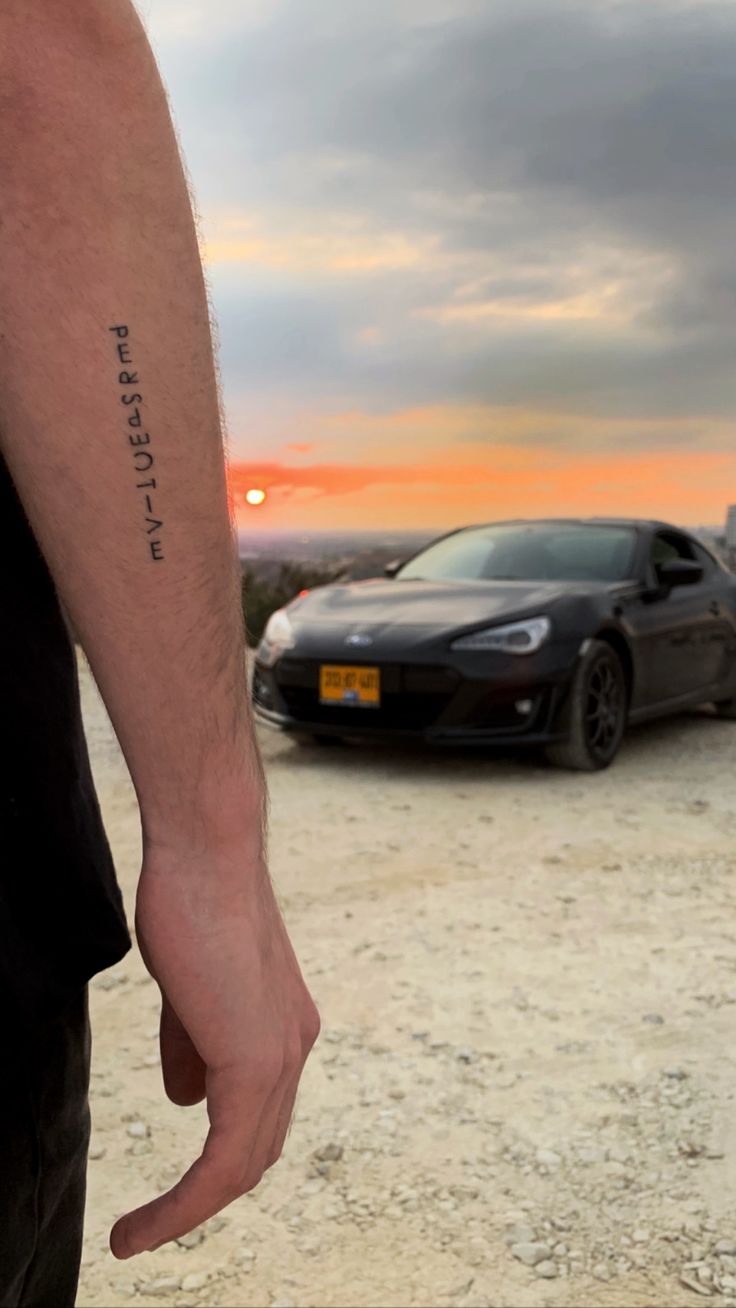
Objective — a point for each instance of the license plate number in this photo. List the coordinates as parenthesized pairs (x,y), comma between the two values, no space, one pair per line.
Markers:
(339,684)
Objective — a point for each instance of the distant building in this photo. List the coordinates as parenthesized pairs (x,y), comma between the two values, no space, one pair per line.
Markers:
(731,536)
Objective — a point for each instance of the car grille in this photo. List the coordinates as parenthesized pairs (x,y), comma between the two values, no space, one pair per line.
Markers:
(412,698)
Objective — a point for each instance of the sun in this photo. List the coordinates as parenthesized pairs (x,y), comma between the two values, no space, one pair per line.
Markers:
(255,496)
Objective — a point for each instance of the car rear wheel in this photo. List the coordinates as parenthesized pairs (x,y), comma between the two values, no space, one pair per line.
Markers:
(594,718)
(726,708)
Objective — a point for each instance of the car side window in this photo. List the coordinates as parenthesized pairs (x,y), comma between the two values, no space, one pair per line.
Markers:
(670,545)
(705,559)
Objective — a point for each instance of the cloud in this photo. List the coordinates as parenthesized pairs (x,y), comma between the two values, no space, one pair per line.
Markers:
(525,204)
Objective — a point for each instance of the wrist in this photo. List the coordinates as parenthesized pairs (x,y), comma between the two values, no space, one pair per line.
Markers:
(225,816)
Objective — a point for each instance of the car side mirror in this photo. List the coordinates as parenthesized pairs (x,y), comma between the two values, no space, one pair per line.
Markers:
(392,568)
(679,572)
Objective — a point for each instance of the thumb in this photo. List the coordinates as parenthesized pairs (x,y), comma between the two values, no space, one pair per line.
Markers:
(183,1070)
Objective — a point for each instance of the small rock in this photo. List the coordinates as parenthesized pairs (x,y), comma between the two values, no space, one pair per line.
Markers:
(126,1289)
(195,1281)
(140,1147)
(139,1130)
(560,1251)
(601,1272)
(641,1237)
(691,1283)
(546,1269)
(726,1247)
(162,1285)
(654,1019)
(216,1224)
(329,1153)
(97,1151)
(521,1235)
(548,1158)
(530,1253)
(191,1239)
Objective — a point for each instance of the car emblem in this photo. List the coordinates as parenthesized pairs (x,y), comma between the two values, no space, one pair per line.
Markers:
(357,638)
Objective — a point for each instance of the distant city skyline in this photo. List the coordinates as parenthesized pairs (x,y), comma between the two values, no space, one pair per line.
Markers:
(468,258)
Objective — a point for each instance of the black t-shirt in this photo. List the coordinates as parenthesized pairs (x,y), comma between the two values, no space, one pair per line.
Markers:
(61,912)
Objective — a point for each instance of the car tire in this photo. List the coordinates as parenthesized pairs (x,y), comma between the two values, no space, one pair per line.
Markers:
(594,716)
(726,708)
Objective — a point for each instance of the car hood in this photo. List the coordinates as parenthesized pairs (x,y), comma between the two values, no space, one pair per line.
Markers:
(432,603)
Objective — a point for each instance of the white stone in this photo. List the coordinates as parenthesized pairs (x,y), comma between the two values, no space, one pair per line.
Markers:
(546,1269)
(530,1253)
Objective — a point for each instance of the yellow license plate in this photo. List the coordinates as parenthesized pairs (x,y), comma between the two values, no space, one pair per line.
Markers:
(345,685)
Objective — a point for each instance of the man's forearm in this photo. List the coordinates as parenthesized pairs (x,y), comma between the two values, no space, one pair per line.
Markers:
(109,414)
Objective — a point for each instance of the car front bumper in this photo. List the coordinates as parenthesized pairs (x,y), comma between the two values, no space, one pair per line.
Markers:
(482,699)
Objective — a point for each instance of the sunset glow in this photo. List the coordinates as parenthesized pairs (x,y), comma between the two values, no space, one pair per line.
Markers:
(473,285)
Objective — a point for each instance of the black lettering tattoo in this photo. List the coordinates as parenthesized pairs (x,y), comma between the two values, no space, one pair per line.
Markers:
(143,460)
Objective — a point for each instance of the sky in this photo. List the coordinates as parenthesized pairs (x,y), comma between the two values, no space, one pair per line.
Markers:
(468,259)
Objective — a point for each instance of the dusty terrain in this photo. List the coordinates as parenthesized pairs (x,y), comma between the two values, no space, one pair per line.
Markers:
(524,1093)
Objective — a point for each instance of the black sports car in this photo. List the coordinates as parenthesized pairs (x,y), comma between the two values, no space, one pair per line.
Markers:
(553,633)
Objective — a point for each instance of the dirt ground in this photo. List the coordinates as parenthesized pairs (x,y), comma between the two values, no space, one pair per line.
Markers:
(524,1090)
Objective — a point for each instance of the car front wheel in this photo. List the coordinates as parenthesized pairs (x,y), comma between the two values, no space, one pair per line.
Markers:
(594,717)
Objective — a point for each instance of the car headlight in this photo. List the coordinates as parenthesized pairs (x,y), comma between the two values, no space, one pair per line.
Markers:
(513,638)
(278,636)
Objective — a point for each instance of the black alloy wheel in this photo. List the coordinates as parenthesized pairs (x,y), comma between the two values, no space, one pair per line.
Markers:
(604,706)
(594,718)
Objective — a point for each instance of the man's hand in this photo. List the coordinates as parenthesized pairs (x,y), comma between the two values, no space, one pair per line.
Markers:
(237,1024)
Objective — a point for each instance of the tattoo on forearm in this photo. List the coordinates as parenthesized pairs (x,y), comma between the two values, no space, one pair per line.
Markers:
(139,441)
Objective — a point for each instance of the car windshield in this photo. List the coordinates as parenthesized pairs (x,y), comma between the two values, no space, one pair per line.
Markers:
(527,552)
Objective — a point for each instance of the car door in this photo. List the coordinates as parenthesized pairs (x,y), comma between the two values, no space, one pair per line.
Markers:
(681,630)
(721,590)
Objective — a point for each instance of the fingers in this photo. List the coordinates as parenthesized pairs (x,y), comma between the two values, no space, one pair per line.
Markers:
(206,1188)
(230,1166)
(183,1070)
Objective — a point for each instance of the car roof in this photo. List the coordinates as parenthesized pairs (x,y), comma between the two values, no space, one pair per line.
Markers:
(650,524)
